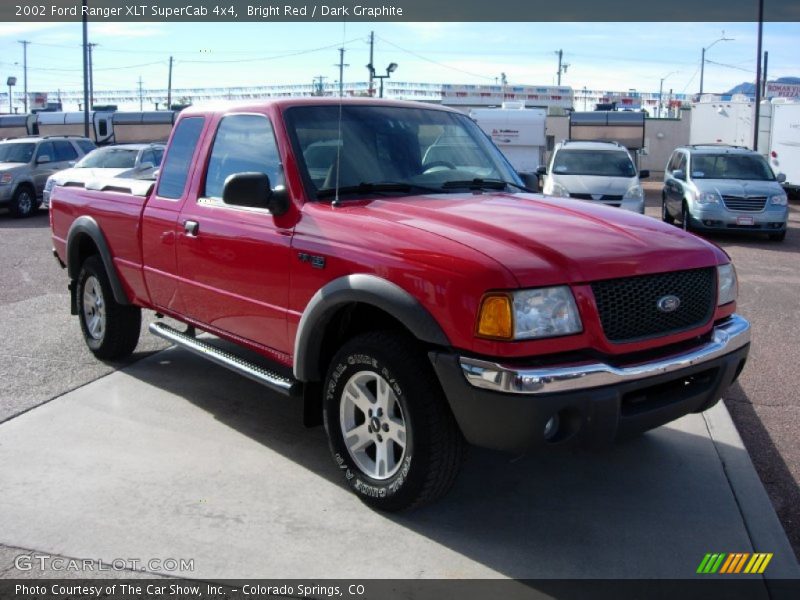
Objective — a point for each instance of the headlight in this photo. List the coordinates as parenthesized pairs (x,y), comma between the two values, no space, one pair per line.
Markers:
(558,190)
(707,197)
(779,200)
(528,314)
(634,193)
(6,178)
(727,286)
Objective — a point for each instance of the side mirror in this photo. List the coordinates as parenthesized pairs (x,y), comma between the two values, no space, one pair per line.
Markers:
(144,166)
(679,174)
(542,170)
(644,173)
(531,181)
(253,190)
(781,177)
(44,158)
(72,163)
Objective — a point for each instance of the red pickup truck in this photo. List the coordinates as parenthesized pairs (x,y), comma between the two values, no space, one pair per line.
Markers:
(382,262)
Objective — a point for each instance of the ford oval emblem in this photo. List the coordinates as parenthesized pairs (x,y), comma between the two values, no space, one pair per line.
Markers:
(668,304)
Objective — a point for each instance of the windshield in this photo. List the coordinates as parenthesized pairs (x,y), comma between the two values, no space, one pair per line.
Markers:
(109,158)
(414,149)
(593,162)
(731,166)
(20,153)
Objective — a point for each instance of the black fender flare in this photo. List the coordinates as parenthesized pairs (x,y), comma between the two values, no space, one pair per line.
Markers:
(87,226)
(366,289)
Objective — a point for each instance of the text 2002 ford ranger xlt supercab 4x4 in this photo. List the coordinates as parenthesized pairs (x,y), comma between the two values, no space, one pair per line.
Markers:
(388,262)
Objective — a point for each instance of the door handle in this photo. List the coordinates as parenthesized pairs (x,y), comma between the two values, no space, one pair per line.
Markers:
(191,228)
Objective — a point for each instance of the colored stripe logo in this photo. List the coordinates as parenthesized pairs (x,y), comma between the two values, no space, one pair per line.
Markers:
(735,562)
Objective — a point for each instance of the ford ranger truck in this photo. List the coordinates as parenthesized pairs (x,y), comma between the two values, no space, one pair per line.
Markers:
(382,263)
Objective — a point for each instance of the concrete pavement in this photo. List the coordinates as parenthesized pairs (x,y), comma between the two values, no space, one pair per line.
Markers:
(173,457)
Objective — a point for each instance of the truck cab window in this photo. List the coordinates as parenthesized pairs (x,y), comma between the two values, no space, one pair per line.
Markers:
(244,143)
(177,163)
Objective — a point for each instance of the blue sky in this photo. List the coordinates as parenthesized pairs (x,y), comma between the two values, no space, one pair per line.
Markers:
(602,56)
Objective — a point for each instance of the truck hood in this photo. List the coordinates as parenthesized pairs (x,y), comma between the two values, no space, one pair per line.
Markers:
(546,241)
(738,187)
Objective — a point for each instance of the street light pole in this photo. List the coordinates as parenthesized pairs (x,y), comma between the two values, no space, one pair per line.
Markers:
(703,57)
(661,91)
(389,70)
(11,82)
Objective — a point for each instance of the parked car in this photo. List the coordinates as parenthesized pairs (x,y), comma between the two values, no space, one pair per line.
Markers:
(27,162)
(601,172)
(724,188)
(137,161)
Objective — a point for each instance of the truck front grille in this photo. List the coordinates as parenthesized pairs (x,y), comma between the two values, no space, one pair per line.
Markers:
(745,203)
(629,308)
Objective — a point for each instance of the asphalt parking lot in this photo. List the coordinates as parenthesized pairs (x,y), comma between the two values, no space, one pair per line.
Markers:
(138,428)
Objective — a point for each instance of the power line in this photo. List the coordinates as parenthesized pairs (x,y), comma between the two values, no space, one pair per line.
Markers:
(274,57)
(430,60)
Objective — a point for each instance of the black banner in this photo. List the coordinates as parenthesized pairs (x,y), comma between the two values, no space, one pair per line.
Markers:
(398,10)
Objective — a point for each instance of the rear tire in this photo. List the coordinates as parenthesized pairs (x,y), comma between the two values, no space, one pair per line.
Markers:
(23,203)
(390,429)
(777,237)
(110,329)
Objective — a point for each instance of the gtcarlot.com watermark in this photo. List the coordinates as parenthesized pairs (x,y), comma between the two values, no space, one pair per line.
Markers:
(45,562)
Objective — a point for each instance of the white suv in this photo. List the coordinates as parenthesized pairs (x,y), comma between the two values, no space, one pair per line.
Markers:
(601,172)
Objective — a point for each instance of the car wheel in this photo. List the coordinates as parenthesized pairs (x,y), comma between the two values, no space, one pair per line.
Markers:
(665,216)
(110,329)
(390,429)
(686,217)
(23,203)
(778,237)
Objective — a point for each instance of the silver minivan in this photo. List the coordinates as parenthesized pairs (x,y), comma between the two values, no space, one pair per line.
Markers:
(600,172)
(724,188)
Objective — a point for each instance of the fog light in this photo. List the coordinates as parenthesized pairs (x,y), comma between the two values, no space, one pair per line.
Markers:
(551,428)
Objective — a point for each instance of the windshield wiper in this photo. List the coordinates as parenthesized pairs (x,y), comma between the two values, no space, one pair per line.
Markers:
(378,188)
(483,184)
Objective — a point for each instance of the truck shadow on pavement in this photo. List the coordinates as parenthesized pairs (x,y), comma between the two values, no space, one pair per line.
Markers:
(39,220)
(651,507)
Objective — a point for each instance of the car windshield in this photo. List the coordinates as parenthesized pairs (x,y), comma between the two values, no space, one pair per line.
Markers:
(109,158)
(731,166)
(607,163)
(394,150)
(20,153)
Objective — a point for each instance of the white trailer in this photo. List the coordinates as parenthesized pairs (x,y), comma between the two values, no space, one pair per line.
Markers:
(519,132)
(723,122)
(784,141)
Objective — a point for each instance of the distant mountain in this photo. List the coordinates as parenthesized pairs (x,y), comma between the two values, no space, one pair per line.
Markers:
(749,89)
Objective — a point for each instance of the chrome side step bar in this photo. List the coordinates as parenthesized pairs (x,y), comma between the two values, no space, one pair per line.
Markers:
(274,381)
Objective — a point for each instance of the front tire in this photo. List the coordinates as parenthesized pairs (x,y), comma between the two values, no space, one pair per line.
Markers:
(110,329)
(686,217)
(390,429)
(777,237)
(23,203)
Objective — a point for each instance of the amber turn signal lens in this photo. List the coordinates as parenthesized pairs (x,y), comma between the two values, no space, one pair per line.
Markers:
(494,318)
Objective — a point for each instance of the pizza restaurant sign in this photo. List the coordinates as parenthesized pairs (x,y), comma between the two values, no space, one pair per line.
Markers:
(783,90)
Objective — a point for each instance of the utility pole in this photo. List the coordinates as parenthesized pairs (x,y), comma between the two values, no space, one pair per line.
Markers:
(319,86)
(370,91)
(758,73)
(141,99)
(562,67)
(341,72)
(91,75)
(169,86)
(764,77)
(85,70)
(25,73)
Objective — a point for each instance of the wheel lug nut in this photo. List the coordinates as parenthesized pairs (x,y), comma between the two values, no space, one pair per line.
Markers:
(380,412)
(386,427)
(369,412)
(380,438)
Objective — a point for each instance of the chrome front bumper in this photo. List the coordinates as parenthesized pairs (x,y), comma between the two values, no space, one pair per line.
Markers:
(727,337)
